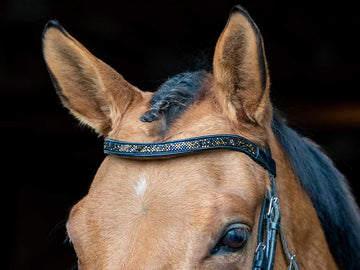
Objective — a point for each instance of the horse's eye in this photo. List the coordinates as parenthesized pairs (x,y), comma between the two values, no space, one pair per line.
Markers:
(232,240)
(235,238)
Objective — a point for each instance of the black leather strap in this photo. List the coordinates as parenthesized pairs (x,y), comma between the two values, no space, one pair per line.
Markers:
(190,146)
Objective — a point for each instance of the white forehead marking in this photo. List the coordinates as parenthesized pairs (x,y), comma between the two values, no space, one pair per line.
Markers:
(141,186)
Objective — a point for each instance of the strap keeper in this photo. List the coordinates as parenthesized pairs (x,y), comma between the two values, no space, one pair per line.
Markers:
(274,226)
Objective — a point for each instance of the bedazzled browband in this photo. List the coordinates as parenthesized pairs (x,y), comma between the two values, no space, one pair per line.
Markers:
(191,145)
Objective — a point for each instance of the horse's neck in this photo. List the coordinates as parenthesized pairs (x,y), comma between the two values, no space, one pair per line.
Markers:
(301,224)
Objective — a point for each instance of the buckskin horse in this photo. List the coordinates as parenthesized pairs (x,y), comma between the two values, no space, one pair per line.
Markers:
(203,173)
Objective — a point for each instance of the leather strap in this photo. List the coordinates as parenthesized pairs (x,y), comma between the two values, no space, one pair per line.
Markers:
(190,146)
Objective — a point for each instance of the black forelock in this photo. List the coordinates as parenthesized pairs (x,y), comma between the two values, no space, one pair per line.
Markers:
(173,97)
(328,191)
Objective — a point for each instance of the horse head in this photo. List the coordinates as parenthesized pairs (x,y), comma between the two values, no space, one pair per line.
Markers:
(198,211)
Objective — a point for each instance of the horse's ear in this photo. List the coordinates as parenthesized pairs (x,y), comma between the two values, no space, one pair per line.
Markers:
(241,71)
(93,92)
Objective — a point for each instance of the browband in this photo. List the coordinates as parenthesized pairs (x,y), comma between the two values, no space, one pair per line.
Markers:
(190,146)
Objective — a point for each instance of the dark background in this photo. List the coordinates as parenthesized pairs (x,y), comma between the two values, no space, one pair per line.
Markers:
(49,160)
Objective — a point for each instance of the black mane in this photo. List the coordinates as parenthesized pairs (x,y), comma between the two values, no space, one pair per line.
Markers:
(328,191)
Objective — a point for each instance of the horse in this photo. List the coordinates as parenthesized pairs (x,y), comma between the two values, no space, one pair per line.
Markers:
(203,173)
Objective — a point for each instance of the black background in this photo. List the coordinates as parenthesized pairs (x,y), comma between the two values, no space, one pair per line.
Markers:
(49,159)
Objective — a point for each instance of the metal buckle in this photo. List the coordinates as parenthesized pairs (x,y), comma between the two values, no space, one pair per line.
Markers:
(292,259)
(273,200)
(260,260)
(261,245)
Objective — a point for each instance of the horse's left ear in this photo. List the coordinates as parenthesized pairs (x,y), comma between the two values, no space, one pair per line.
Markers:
(240,70)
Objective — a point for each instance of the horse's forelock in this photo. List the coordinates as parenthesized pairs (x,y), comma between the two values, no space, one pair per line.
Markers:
(173,97)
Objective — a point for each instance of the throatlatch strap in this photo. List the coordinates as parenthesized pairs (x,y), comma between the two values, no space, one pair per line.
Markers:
(190,146)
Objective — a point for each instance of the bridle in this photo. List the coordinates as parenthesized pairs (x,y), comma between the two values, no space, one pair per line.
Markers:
(270,225)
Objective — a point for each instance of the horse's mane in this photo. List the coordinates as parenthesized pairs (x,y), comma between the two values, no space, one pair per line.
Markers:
(328,191)
(325,185)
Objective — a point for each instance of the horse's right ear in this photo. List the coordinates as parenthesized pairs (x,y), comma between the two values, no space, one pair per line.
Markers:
(93,92)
